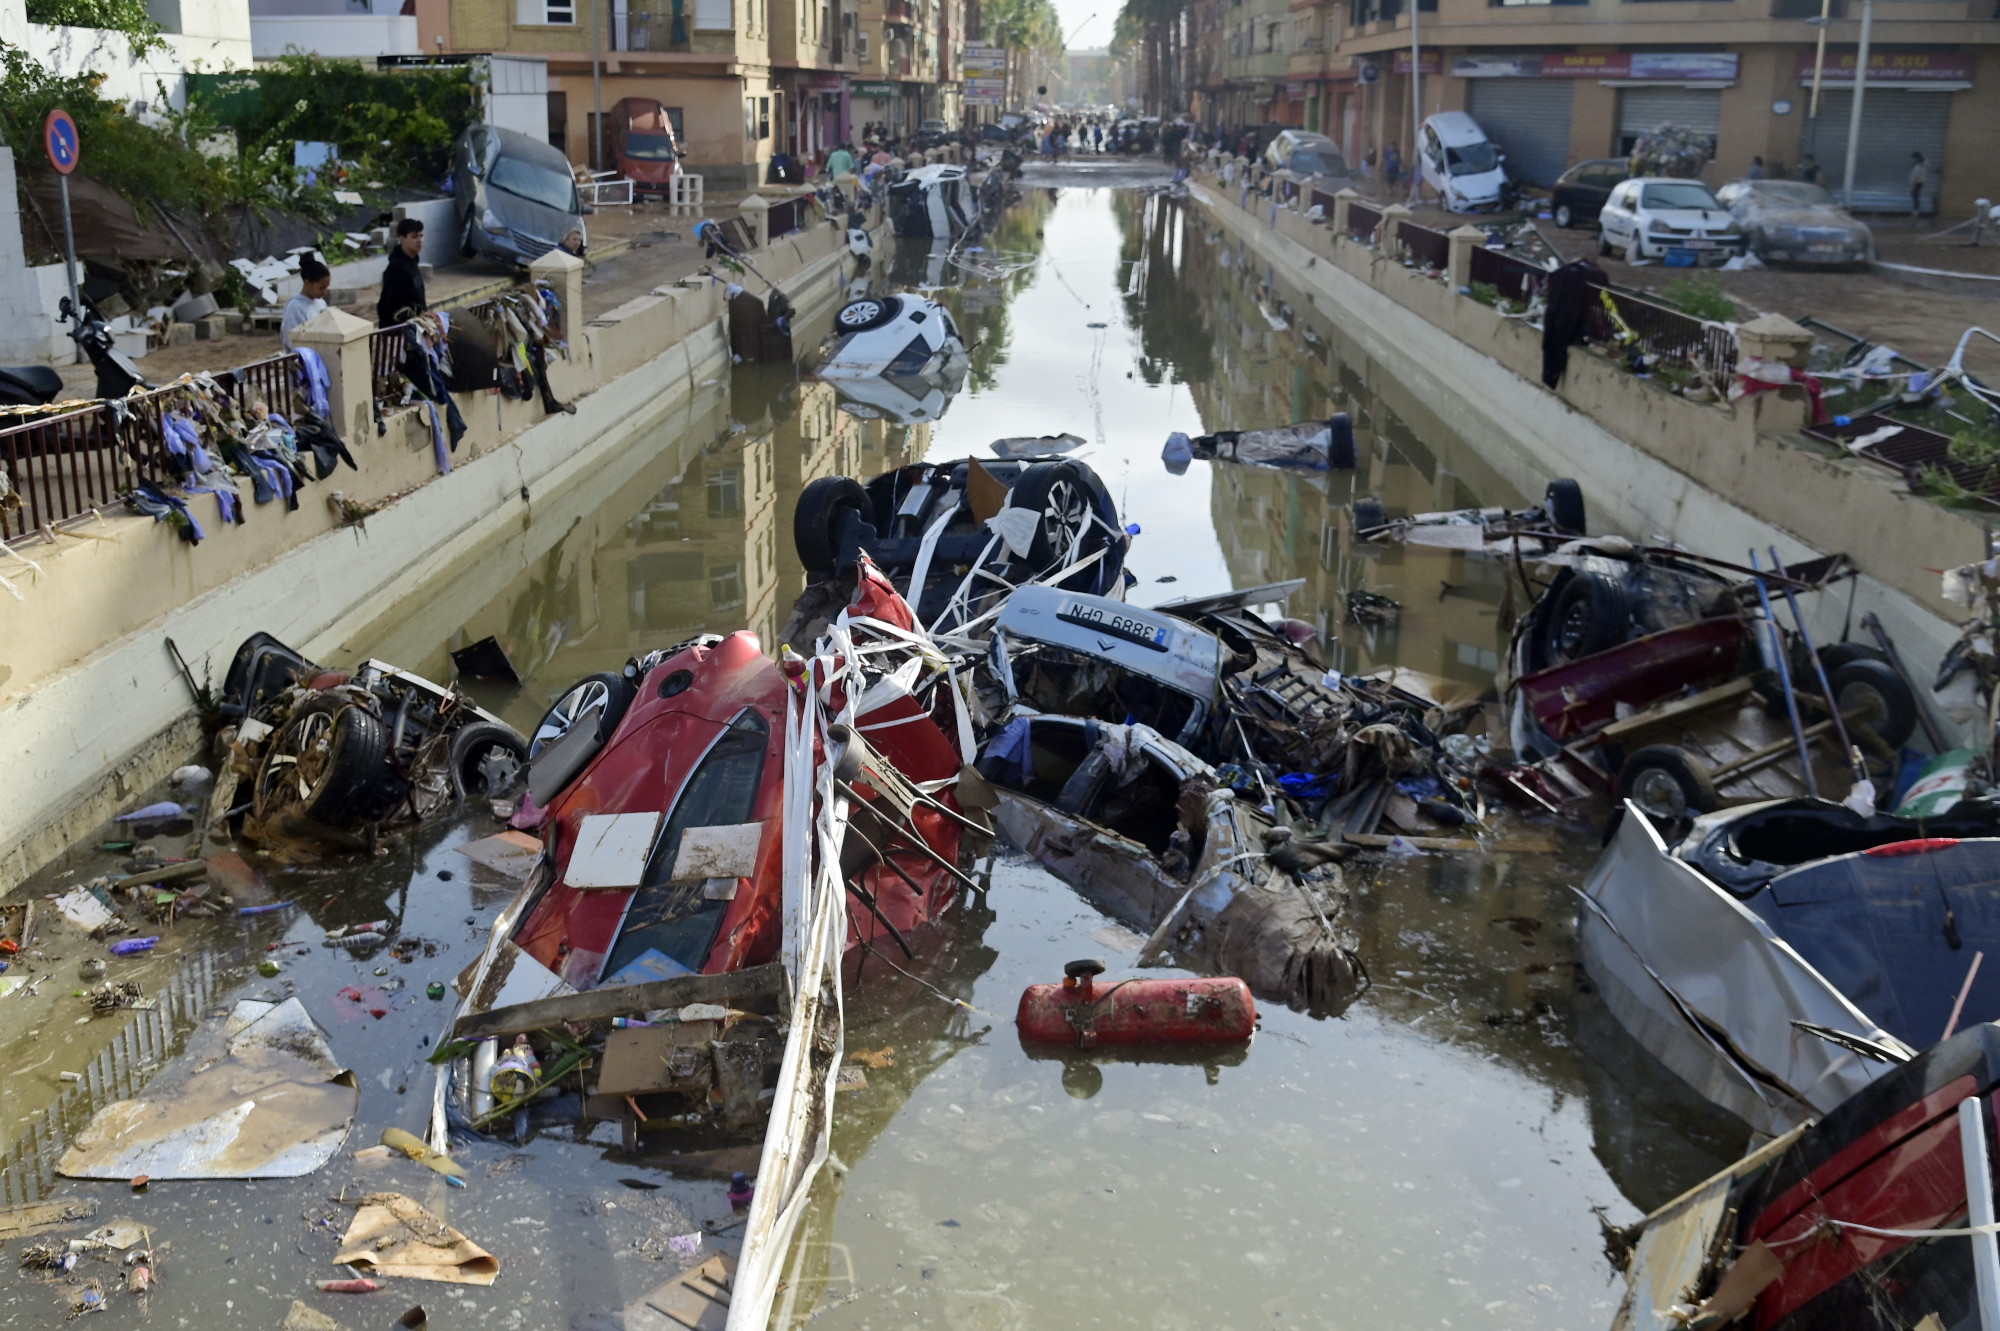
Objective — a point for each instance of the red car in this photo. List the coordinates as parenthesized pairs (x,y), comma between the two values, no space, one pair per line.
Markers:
(659,796)
(644,145)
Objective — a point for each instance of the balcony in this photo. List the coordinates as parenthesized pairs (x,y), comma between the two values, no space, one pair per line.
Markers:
(658,31)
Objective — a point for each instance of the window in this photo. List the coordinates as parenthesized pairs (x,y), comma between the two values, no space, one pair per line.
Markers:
(533,13)
(713,16)
(861,47)
(725,586)
(763,117)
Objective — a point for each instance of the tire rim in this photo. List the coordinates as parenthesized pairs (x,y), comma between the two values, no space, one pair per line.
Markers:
(1065,522)
(495,766)
(1659,795)
(1572,630)
(294,773)
(1863,704)
(859,313)
(590,696)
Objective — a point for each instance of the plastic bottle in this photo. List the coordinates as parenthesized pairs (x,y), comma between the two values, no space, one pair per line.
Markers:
(740,1191)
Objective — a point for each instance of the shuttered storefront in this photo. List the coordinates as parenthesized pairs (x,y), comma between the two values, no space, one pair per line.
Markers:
(1529,119)
(1643,110)
(1895,122)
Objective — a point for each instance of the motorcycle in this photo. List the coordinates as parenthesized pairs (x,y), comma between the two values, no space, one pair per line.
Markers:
(39,385)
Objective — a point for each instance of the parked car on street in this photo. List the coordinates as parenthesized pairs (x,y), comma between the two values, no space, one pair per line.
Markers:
(1305,154)
(643,145)
(1646,217)
(1461,163)
(1579,193)
(517,197)
(1792,221)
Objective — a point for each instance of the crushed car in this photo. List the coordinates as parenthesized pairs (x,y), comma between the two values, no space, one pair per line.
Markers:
(1308,445)
(900,337)
(1795,221)
(932,201)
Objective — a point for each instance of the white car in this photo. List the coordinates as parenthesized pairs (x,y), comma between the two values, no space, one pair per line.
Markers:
(1461,163)
(1648,216)
(895,337)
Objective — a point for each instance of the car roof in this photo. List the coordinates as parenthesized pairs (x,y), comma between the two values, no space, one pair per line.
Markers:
(526,148)
(1456,128)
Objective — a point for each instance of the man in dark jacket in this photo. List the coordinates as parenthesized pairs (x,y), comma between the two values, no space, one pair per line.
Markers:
(402,280)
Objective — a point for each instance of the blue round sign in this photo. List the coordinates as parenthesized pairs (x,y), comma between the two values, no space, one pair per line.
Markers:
(59,137)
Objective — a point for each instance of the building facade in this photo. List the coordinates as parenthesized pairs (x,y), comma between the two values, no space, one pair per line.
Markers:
(1558,83)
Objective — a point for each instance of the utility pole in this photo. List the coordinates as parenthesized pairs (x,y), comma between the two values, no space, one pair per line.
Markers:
(1854,112)
(1416,107)
(596,88)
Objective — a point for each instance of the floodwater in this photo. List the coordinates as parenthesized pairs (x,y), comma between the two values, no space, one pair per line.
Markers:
(1434,1156)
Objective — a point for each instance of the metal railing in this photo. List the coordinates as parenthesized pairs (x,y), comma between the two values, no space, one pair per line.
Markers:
(386,347)
(1664,334)
(65,465)
(1363,221)
(1515,279)
(1430,249)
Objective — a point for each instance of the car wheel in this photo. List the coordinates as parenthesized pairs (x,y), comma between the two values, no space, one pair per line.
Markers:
(1837,654)
(1875,691)
(858,316)
(330,762)
(486,760)
(1603,242)
(1589,614)
(1340,442)
(1563,503)
(604,696)
(1369,517)
(1667,784)
(816,520)
(1066,529)
(1564,218)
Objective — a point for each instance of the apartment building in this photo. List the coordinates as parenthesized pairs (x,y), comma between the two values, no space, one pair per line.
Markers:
(1555,83)
(910,62)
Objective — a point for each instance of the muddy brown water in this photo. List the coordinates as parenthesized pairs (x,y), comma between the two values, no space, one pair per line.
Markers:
(1431,1157)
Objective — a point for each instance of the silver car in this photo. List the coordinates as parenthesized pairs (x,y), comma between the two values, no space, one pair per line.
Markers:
(517,196)
(1790,221)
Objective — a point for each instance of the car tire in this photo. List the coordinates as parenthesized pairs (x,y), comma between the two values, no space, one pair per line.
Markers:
(1589,614)
(816,521)
(330,762)
(1890,709)
(858,316)
(1563,503)
(1340,442)
(1837,654)
(1564,217)
(1369,516)
(1667,784)
(487,760)
(1068,529)
(1603,243)
(466,248)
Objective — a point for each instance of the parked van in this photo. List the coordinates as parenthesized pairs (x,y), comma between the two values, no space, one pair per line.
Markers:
(517,196)
(1461,163)
(643,145)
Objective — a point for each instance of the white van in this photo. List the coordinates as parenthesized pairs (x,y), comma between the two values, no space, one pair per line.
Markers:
(1461,163)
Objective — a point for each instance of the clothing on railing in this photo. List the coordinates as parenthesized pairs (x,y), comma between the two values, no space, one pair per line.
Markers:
(427,364)
(1570,293)
(317,383)
(524,325)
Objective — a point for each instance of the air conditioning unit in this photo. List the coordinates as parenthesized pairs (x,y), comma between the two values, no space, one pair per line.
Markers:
(861,47)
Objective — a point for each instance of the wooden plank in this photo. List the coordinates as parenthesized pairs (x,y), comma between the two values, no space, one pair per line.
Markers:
(1673,711)
(761,986)
(40,1217)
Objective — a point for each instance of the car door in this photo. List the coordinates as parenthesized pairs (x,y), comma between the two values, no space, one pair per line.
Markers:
(1617,219)
(1594,186)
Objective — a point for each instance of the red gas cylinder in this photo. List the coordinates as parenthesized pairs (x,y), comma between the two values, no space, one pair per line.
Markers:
(1080,1012)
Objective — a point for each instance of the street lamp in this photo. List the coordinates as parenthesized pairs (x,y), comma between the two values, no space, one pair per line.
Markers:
(1854,112)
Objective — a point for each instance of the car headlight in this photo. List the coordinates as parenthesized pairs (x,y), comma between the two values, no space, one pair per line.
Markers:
(490,223)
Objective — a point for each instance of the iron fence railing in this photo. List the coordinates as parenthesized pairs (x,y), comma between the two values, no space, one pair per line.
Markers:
(1429,248)
(1363,221)
(385,363)
(1663,334)
(1515,279)
(62,466)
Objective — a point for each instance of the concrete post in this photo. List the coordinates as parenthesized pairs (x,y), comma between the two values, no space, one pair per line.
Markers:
(1773,337)
(1391,237)
(563,271)
(342,342)
(756,210)
(1341,202)
(1464,240)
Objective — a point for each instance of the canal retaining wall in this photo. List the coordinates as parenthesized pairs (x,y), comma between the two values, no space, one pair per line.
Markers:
(1719,478)
(92,708)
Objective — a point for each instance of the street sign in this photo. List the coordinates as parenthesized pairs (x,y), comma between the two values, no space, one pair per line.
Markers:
(59,137)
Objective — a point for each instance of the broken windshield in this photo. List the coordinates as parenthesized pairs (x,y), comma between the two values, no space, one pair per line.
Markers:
(1472,159)
(536,184)
(650,147)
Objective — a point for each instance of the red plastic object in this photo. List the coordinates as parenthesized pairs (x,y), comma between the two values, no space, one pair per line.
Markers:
(1189,1011)
(1914,846)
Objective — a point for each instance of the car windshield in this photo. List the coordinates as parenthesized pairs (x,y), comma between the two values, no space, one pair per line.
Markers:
(536,184)
(1308,163)
(1678,194)
(1471,159)
(650,147)
(1788,194)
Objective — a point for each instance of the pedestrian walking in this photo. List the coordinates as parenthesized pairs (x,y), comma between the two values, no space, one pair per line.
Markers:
(1097,133)
(402,279)
(314,279)
(1756,168)
(1392,165)
(1919,177)
(1808,169)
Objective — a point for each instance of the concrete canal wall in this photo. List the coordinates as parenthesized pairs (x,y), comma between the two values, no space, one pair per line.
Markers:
(92,709)
(1719,478)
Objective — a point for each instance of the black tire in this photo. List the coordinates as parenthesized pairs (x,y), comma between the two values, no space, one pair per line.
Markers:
(1588,614)
(331,763)
(1887,705)
(1340,442)
(604,693)
(1563,502)
(1837,654)
(1667,784)
(466,249)
(817,518)
(1369,516)
(858,316)
(1080,791)
(487,760)
(1603,244)
(1069,530)
(1564,217)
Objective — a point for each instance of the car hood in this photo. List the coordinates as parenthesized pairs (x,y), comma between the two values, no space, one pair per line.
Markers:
(1807,218)
(526,219)
(1708,219)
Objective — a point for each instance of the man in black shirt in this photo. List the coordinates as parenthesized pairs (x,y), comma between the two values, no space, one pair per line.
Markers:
(402,280)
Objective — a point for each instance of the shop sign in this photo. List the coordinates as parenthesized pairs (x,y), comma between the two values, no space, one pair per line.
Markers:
(875,90)
(1494,66)
(1586,65)
(1685,66)
(1894,66)
(1429,63)
(1665,66)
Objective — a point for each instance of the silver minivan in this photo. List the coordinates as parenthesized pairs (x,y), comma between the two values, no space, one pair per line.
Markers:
(517,196)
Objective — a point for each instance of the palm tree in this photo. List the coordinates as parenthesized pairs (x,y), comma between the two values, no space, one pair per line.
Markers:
(1156,30)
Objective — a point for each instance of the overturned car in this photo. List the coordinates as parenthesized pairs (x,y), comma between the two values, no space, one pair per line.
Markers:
(895,337)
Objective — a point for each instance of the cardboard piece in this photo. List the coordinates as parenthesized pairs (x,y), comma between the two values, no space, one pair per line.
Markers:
(697,1299)
(393,1236)
(510,854)
(725,851)
(611,849)
(668,1057)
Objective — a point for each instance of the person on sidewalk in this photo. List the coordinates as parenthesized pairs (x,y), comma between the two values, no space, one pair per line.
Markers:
(1756,171)
(1392,165)
(1919,177)
(839,162)
(314,278)
(402,279)
(1809,170)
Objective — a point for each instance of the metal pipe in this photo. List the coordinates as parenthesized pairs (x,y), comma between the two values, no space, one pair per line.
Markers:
(69,266)
(1819,668)
(1854,114)
(1979,1208)
(1819,66)
(1416,107)
(1873,624)
(1785,679)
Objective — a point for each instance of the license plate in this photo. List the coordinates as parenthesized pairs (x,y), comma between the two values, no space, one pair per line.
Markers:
(1114,624)
(1697,244)
(1824,249)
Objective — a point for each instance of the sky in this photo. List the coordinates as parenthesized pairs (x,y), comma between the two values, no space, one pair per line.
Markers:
(1096,18)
